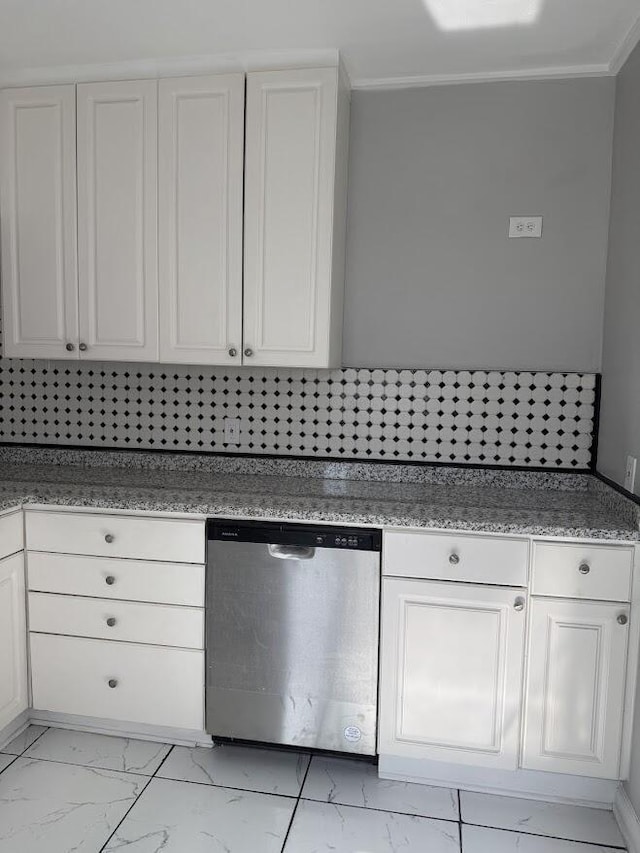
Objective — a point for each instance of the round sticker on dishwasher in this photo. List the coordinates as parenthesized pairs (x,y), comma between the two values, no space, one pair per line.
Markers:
(352,734)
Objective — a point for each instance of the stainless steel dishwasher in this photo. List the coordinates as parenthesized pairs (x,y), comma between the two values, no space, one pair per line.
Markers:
(292,634)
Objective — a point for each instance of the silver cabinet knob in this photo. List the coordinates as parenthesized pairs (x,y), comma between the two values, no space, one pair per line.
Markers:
(70,347)
(110,580)
(233,352)
(584,568)
(518,604)
(82,347)
(113,682)
(109,538)
(623,619)
(248,352)
(111,621)
(454,559)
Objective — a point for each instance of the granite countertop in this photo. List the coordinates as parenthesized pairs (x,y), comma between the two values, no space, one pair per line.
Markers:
(571,505)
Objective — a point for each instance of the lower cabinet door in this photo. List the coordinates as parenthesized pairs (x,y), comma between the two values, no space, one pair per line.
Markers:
(119,681)
(13,641)
(451,672)
(575,687)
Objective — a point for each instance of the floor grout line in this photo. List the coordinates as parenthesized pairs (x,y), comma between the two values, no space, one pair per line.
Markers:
(599,844)
(295,808)
(126,814)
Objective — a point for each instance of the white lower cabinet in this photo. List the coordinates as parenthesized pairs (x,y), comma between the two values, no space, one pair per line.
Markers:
(118,681)
(14,698)
(451,672)
(575,687)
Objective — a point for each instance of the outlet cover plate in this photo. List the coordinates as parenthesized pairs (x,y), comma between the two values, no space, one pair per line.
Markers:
(630,473)
(525,226)
(232,430)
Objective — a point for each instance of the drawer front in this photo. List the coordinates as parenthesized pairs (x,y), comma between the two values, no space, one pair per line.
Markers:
(442,556)
(137,537)
(158,624)
(599,572)
(153,685)
(11,534)
(103,577)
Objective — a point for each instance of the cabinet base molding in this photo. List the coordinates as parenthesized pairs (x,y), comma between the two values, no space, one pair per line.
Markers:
(627,818)
(528,784)
(14,728)
(140,731)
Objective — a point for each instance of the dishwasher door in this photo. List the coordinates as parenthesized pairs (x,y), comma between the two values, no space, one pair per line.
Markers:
(292,645)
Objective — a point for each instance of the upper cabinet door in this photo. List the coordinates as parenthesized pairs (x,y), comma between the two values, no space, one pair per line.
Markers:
(38,215)
(201,121)
(295,192)
(117,219)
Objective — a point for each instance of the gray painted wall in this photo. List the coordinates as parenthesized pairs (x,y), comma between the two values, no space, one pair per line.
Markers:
(620,413)
(620,410)
(435,173)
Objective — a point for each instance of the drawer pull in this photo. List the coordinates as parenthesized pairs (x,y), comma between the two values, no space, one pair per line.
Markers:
(518,604)
(109,580)
(454,559)
(113,682)
(584,568)
(622,619)
(109,538)
(111,621)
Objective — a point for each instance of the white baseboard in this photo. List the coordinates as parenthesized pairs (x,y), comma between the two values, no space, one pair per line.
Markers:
(14,729)
(140,731)
(628,820)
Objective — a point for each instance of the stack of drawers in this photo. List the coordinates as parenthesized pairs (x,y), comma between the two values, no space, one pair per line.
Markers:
(116,616)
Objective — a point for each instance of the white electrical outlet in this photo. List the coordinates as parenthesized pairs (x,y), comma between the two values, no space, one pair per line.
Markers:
(630,473)
(232,430)
(525,226)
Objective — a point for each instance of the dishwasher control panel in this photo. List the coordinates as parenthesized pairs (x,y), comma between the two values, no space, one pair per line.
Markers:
(312,535)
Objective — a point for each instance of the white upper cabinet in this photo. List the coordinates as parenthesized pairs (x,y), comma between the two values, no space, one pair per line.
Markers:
(38,216)
(295,197)
(117,220)
(201,135)
(575,687)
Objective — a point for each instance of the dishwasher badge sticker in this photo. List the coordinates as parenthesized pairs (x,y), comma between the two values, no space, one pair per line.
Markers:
(352,734)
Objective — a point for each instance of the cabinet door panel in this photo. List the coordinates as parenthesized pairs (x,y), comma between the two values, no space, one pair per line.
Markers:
(38,215)
(452,660)
(117,236)
(575,687)
(289,173)
(13,652)
(201,122)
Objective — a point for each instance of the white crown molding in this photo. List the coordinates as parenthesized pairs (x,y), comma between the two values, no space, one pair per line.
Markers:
(551,73)
(625,48)
(627,819)
(138,69)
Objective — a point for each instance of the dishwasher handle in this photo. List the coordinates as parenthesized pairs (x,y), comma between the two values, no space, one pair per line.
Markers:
(292,552)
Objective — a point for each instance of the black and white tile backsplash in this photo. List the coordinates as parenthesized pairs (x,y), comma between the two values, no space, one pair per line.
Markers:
(474,417)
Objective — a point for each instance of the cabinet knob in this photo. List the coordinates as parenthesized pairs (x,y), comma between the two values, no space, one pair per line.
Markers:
(518,604)
(110,580)
(454,559)
(111,621)
(233,352)
(248,352)
(623,619)
(70,347)
(113,682)
(82,347)
(584,568)
(109,538)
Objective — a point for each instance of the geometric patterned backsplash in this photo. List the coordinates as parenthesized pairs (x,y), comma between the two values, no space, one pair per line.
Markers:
(535,419)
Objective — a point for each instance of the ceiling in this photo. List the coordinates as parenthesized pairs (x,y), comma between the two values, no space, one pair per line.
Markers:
(382,42)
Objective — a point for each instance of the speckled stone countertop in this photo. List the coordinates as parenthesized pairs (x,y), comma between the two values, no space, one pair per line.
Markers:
(512,502)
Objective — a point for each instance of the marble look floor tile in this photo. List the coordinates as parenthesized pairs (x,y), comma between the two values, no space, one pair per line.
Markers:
(93,750)
(265,770)
(5,761)
(319,827)
(24,740)
(177,817)
(356,783)
(50,808)
(479,839)
(575,823)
